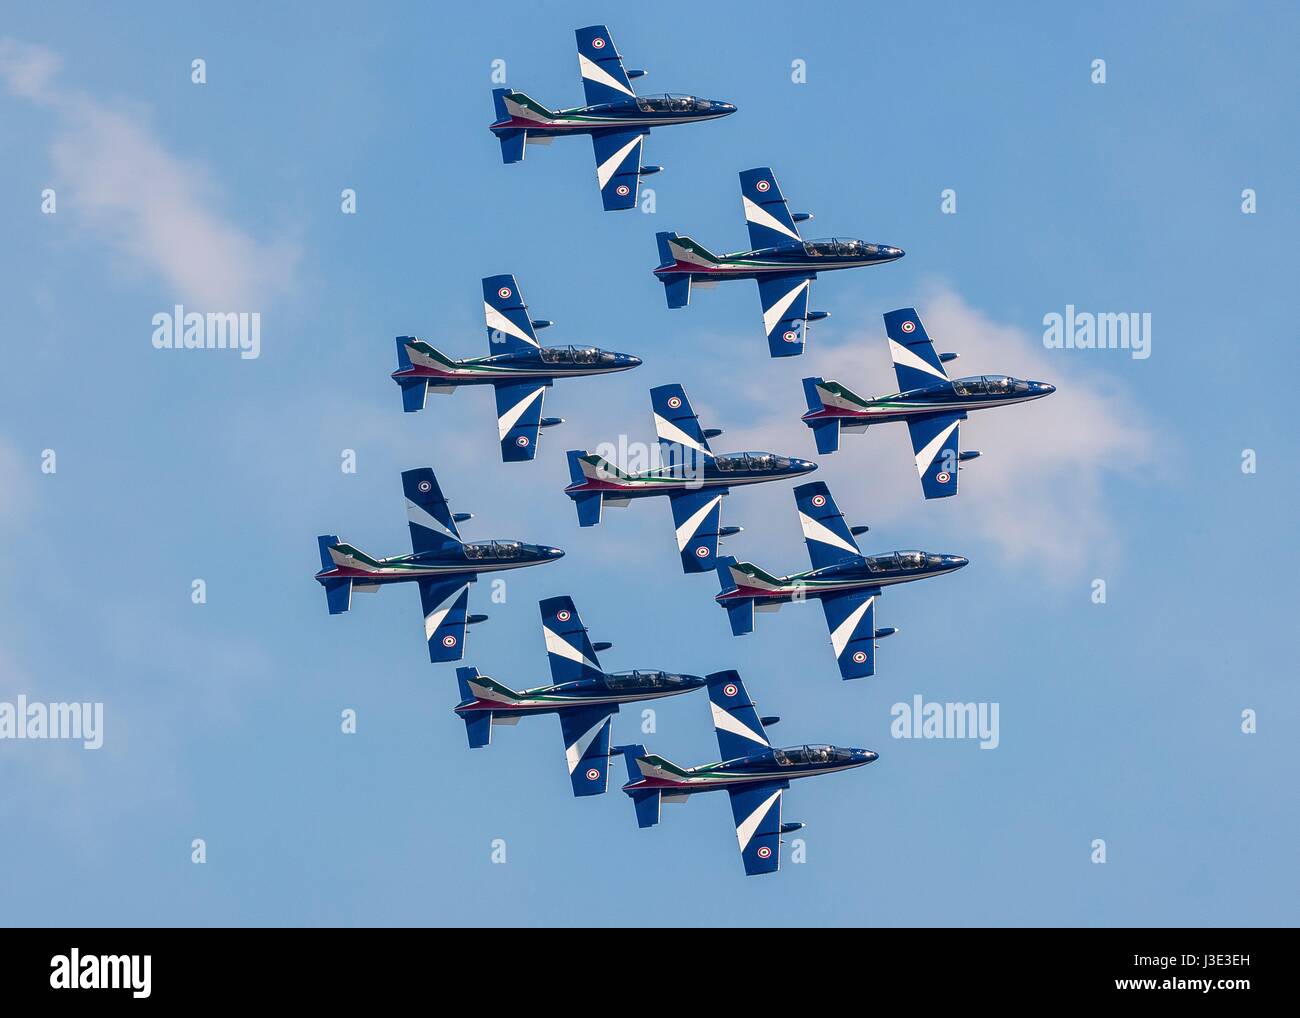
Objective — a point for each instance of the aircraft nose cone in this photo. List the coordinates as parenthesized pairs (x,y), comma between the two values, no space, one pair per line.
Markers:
(632,361)
(960,561)
(1047,388)
(870,756)
(804,466)
(553,553)
(727,108)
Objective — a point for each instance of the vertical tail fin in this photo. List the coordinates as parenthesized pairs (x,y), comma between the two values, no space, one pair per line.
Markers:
(740,610)
(584,467)
(478,724)
(673,251)
(826,430)
(646,801)
(338,591)
(414,390)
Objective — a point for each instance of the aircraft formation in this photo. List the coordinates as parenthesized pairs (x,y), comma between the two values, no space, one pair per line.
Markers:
(688,472)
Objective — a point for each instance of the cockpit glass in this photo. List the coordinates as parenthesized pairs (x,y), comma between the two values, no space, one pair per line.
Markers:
(997,384)
(671,104)
(970,386)
(911,559)
(882,563)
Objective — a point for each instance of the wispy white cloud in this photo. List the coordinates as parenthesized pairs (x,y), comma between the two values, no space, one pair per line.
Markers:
(1040,490)
(161,211)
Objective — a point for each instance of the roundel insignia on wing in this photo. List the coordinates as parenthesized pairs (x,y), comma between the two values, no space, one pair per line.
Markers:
(598,43)
(762,185)
(819,500)
(593,774)
(702,552)
(860,657)
(909,326)
(730,689)
(449,641)
(943,477)
(764,852)
(622,190)
(562,615)
(521,441)
(791,337)
(674,402)
(424,486)
(505,293)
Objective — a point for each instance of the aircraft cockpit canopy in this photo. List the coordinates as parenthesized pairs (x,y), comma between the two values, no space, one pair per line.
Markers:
(671,104)
(843,247)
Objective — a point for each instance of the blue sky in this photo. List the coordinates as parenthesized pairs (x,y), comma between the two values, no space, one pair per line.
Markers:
(1118,721)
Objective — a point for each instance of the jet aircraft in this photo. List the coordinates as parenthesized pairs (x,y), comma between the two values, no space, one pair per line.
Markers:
(617,119)
(694,478)
(931,404)
(583,695)
(441,564)
(845,581)
(753,772)
(783,263)
(517,367)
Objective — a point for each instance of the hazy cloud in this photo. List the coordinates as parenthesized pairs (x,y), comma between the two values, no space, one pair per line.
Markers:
(140,199)
(1039,491)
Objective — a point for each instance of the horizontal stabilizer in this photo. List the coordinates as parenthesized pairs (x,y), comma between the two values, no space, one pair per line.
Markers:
(338,595)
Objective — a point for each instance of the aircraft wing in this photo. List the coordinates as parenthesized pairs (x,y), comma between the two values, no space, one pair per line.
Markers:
(443,602)
(736,723)
(827,536)
(766,213)
(757,811)
(618,166)
(681,439)
(851,619)
(697,517)
(603,78)
(431,523)
(509,328)
(568,648)
(916,364)
(586,746)
(934,441)
(519,417)
(785,311)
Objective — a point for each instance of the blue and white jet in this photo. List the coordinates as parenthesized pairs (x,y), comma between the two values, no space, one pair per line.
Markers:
(518,367)
(582,694)
(845,581)
(441,564)
(617,119)
(692,476)
(752,772)
(928,401)
(783,263)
